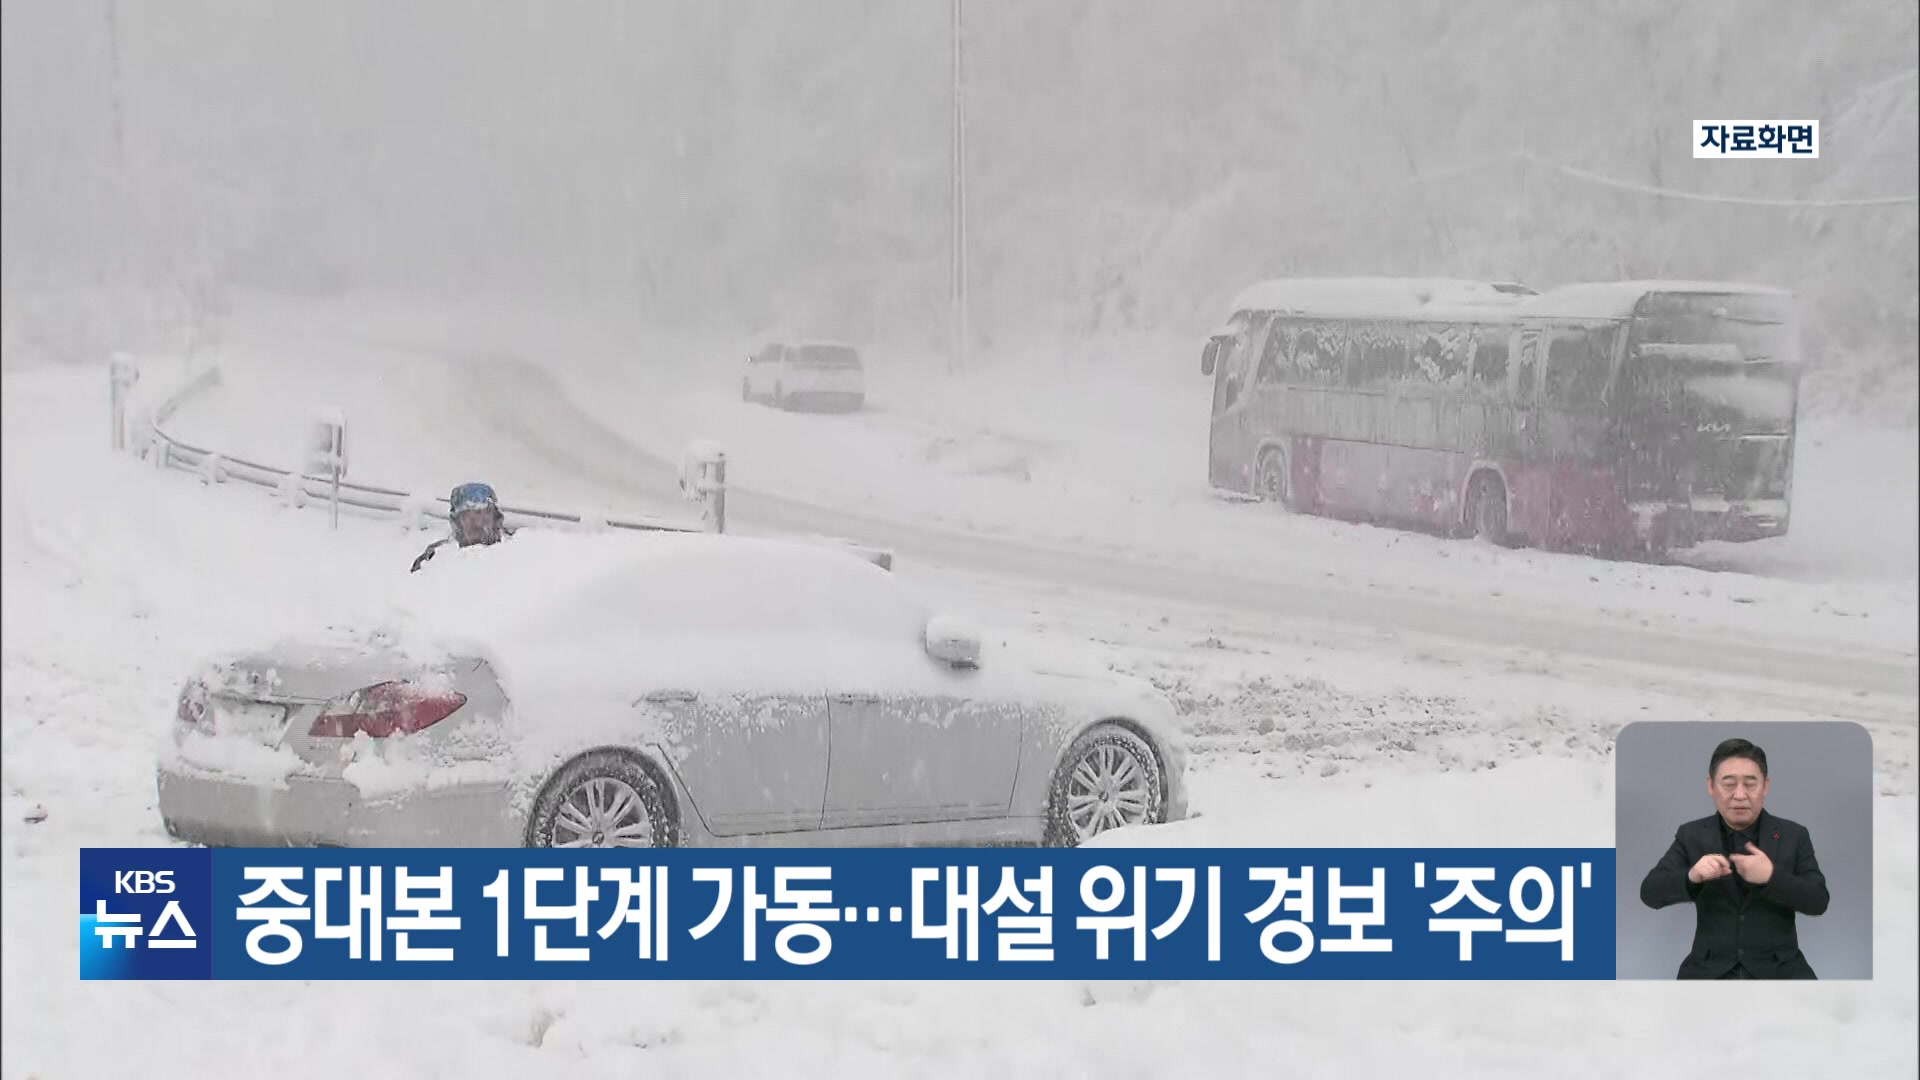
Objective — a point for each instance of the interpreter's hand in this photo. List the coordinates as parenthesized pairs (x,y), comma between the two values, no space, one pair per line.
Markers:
(1708,868)
(1754,866)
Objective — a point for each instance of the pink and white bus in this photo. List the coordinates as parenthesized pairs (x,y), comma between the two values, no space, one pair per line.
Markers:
(1612,416)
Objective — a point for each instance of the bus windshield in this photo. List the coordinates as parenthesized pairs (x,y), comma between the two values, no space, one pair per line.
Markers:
(1724,360)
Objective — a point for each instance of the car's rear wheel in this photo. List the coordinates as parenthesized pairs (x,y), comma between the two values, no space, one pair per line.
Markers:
(1107,779)
(603,799)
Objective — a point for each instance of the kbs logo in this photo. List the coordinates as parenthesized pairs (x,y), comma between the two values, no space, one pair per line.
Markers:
(143,882)
(146,913)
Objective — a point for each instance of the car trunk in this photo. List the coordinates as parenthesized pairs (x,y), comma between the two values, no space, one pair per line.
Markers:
(272,697)
(305,670)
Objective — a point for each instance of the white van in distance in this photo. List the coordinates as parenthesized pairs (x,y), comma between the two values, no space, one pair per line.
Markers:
(817,375)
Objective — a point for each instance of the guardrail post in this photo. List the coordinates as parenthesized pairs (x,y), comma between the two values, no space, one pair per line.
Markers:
(327,452)
(140,437)
(712,487)
(293,490)
(122,374)
(703,479)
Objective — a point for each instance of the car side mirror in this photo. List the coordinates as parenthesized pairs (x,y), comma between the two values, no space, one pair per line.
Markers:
(1209,354)
(953,642)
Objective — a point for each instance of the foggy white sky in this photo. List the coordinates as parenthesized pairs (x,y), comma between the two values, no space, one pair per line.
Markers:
(1129,160)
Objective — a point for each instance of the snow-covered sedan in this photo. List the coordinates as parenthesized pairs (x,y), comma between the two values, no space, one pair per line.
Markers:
(568,690)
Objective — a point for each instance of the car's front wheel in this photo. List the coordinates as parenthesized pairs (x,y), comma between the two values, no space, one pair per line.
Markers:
(603,799)
(1108,778)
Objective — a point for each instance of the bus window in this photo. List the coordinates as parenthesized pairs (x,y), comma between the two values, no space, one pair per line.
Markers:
(1490,360)
(1579,360)
(1456,356)
(1441,355)
(1380,358)
(1522,365)
(1275,355)
(1320,354)
(1316,357)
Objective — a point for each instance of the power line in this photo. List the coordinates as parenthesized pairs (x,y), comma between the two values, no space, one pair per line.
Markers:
(961,344)
(1695,196)
(1458,171)
(1882,84)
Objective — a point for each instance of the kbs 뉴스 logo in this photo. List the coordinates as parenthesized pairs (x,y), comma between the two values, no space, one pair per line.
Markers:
(146,913)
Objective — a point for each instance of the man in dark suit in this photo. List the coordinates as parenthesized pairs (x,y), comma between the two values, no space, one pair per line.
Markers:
(1747,874)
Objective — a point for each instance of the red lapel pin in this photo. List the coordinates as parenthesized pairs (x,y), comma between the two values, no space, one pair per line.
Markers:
(1776,836)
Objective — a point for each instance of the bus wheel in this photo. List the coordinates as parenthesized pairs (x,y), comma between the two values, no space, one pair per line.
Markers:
(1487,509)
(1270,477)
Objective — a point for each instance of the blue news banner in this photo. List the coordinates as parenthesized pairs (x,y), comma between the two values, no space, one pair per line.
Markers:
(1219,913)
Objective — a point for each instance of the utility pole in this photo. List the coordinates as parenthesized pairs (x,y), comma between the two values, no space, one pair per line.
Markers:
(958,352)
(114,253)
(113,62)
(1437,225)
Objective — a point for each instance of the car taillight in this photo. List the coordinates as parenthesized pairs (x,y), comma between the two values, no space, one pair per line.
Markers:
(386,709)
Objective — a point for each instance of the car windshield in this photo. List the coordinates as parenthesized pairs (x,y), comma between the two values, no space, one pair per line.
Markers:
(826,356)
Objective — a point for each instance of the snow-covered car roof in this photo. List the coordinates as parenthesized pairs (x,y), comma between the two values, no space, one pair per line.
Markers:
(550,584)
(797,341)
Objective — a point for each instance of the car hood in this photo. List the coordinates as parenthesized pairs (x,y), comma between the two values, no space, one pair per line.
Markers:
(1100,693)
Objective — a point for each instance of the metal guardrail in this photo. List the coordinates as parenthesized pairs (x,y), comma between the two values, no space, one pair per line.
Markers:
(151,442)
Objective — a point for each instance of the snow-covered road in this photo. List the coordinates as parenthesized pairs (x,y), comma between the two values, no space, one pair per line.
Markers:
(116,577)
